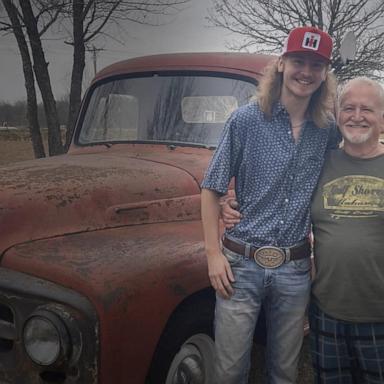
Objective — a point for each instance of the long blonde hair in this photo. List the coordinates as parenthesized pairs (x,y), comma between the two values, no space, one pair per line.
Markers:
(321,108)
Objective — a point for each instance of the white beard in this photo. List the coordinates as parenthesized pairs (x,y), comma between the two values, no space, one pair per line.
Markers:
(357,138)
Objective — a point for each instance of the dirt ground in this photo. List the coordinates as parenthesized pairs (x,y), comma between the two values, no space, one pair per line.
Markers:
(17,147)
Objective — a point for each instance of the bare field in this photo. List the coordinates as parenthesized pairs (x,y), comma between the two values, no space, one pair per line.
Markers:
(12,151)
(15,146)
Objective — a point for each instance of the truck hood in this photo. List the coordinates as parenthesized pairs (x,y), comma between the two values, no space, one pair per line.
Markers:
(114,187)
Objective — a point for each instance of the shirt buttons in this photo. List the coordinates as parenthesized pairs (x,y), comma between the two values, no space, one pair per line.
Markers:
(252,139)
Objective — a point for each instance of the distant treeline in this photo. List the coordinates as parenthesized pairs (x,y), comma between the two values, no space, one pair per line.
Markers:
(15,115)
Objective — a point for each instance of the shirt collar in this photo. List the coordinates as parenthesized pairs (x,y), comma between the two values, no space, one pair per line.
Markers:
(278,110)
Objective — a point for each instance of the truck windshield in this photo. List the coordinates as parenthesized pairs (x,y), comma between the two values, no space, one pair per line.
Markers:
(179,110)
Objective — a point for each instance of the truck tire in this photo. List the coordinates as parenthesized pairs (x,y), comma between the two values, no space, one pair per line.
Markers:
(194,361)
(185,351)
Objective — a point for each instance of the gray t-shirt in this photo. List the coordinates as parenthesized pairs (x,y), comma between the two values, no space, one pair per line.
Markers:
(348,224)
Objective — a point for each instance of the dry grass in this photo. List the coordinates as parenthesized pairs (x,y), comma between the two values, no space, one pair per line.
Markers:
(15,146)
(12,151)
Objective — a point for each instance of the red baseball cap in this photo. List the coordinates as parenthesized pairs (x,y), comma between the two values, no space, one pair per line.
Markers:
(309,39)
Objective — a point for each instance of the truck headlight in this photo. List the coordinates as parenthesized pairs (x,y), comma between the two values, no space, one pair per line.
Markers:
(46,338)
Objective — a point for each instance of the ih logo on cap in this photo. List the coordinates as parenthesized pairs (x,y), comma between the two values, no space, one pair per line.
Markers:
(311,41)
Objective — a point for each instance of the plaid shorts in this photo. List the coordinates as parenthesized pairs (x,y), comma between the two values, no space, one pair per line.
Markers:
(345,352)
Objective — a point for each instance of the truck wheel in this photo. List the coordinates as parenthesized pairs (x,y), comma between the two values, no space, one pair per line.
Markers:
(193,363)
(185,352)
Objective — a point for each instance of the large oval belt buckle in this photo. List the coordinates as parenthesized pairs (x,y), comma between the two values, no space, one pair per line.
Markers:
(269,257)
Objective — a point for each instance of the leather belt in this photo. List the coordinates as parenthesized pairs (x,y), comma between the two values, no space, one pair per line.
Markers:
(269,256)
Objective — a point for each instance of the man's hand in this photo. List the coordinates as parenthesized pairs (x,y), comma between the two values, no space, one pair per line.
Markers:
(219,270)
(229,213)
(220,275)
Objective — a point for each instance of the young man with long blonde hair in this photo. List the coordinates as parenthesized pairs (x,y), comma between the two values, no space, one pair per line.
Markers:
(274,148)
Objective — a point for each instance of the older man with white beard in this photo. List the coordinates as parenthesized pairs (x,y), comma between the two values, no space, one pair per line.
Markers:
(347,310)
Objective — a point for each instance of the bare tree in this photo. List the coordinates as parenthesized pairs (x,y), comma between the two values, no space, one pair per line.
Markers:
(34,128)
(40,65)
(264,24)
(29,21)
(88,20)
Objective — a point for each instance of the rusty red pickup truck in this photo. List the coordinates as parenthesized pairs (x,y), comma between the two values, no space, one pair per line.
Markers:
(103,276)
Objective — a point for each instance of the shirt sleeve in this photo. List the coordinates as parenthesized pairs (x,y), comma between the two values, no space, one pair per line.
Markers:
(225,161)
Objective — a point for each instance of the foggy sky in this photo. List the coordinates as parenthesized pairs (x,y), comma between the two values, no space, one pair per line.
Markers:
(188,32)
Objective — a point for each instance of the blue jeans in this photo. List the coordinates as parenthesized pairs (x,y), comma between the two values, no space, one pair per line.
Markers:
(284,291)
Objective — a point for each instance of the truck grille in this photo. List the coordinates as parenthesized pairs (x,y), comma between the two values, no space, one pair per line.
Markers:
(7,328)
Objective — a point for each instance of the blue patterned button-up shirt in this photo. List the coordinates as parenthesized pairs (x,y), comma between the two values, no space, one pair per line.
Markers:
(274,176)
